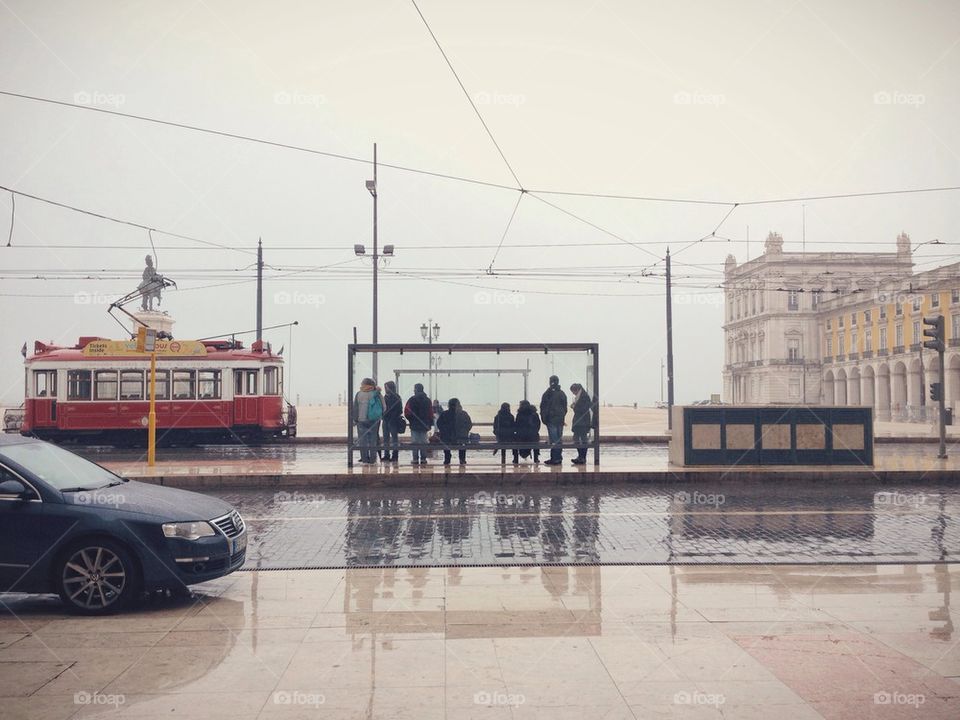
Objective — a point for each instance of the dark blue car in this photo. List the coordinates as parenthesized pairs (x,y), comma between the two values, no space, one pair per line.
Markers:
(70,526)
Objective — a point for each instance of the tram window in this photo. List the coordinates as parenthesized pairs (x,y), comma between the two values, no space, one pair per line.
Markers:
(208,384)
(78,384)
(44,383)
(131,385)
(163,384)
(105,387)
(271,381)
(183,384)
(245,382)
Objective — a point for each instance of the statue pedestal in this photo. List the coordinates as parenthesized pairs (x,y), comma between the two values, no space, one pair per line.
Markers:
(159,321)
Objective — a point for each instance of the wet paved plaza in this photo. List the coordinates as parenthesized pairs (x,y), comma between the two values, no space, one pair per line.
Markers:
(726,522)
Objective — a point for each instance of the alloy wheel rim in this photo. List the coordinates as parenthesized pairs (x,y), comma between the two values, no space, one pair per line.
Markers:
(94,577)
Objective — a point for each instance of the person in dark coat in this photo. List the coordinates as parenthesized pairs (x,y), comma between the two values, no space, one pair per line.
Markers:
(553,413)
(392,412)
(505,430)
(454,425)
(582,421)
(419,414)
(527,429)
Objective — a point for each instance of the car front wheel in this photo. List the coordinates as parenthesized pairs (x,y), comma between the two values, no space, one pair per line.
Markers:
(97,577)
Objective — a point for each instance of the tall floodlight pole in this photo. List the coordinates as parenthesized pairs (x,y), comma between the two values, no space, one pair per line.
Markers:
(260,289)
(430,331)
(669,348)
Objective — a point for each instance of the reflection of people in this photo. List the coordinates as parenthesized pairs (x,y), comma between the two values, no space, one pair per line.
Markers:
(581,421)
(528,429)
(553,412)
(419,414)
(367,411)
(392,412)
(504,429)
(454,425)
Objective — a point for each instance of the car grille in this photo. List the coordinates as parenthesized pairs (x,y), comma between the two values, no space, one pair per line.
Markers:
(230,525)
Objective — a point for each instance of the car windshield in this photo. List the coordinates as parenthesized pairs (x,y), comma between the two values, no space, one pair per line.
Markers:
(58,467)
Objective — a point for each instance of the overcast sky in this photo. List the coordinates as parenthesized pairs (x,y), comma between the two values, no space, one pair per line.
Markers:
(701,100)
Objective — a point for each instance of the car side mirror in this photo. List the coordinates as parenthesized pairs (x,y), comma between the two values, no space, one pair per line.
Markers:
(13,487)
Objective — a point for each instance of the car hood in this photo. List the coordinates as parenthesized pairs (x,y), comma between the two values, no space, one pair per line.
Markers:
(169,504)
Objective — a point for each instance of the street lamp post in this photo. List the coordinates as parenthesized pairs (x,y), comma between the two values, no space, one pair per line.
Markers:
(430,331)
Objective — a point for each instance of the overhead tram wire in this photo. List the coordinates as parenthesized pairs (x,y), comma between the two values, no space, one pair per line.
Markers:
(503,237)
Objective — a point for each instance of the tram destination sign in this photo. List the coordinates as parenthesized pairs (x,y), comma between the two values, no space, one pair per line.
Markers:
(120,348)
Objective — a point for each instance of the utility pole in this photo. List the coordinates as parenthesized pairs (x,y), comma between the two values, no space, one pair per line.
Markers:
(669,348)
(372,188)
(260,289)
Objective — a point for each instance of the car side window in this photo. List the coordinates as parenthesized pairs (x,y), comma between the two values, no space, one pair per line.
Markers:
(6,474)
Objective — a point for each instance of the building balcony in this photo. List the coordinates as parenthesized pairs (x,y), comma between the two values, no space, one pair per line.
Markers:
(828,358)
(897,349)
(853,356)
(954,342)
(914,347)
(867,354)
(882,352)
(841,358)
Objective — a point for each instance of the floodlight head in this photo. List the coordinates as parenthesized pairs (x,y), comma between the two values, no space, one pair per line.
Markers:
(359,249)
(388,250)
(372,187)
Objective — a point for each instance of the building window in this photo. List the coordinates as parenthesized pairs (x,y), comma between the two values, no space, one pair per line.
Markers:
(853,319)
(184,384)
(794,389)
(899,338)
(730,304)
(898,309)
(105,387)
(815,299)
(44,383)
(883,312)
(738,307)
(829,345)
(828,323)
(793,349)
(208,384)
(883,338)
(916,331)
(868,340)
(867,316)
(793,300)
(916,303)
(131,385)
(955,328)
(935,300)
(841,344)
(762,293)
(853,341)
(79,384)
(955,295)
(839,321)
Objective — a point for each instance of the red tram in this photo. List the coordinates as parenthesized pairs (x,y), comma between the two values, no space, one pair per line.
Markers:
(98,391)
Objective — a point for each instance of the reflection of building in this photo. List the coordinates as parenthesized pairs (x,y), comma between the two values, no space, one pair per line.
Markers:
(837,328)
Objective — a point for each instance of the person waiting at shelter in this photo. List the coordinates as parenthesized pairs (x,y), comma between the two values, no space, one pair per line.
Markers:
(419,414)
(553,413)
(504,430)
(367,412)
(527,430)
(392,417)
(582,421)
(454,425)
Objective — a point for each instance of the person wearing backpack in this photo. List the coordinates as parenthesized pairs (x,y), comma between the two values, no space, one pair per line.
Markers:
(367,412)
(504,429)
(528,429)
(582,421)
(553,412)
(392,421)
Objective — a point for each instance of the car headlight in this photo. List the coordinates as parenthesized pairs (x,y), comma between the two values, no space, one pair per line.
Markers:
(188,530)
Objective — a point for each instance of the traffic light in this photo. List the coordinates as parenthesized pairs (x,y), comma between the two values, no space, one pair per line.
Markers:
(935,390)
(933,329)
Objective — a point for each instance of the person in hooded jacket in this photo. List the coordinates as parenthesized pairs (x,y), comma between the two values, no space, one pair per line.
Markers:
(582,421)
(505,430)
(366,418)
(392,412)
(527,429)
(419,414)
(454,425)
(553,412)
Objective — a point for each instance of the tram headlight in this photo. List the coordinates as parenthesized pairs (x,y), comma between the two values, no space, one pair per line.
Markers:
(188,530)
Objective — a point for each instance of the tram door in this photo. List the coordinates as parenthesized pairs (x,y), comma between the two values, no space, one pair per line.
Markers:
(246,397)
